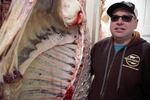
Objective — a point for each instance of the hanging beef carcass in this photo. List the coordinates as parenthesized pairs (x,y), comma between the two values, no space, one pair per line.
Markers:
(44,51)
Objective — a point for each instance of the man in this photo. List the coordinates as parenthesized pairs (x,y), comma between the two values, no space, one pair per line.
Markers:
(121,63)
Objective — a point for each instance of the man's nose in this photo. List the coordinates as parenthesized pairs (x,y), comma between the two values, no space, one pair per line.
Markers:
(120,21)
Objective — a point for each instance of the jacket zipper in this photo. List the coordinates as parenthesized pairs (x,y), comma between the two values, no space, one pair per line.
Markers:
(120,70)
(107,73)
(107,76)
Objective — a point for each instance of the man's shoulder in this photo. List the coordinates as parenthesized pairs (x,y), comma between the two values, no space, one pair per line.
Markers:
(146,46)
(103,41)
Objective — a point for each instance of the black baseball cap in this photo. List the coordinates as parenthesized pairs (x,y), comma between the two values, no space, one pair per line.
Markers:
(127,5)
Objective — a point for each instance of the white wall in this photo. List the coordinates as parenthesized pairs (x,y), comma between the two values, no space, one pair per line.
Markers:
(92,13)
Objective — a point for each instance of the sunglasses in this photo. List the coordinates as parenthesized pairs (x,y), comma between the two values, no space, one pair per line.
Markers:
(125,18)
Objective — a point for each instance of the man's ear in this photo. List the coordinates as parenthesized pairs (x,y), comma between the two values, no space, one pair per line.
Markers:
(136,23)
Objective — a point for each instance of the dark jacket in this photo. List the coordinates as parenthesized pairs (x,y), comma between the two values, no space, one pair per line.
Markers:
(124,75)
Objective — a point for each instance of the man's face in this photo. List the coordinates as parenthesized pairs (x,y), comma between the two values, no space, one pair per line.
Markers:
(124,26)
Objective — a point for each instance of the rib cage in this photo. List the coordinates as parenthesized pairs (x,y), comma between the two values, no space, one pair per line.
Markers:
(49,75)
(56,70)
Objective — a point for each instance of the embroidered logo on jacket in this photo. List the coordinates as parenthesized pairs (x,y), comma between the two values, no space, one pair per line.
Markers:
(132,61)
